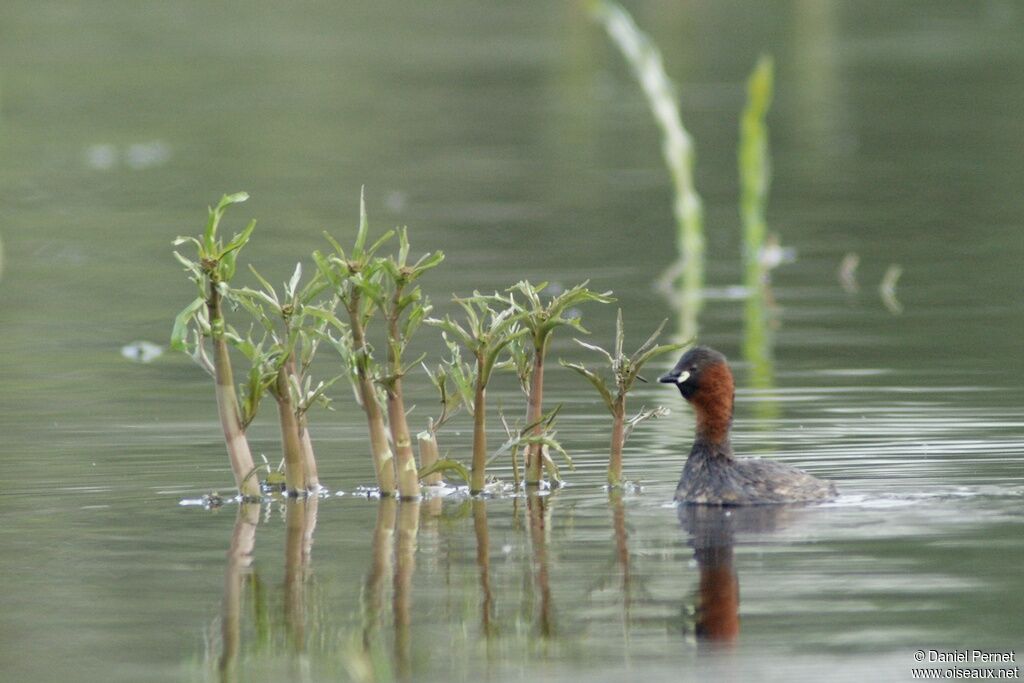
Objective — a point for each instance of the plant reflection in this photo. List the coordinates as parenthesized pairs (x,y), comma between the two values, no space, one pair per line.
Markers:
(300,523)
(239,560)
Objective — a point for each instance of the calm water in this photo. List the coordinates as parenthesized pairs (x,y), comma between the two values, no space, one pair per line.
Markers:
(513,138)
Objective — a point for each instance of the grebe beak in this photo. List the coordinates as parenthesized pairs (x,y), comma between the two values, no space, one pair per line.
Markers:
(672,378)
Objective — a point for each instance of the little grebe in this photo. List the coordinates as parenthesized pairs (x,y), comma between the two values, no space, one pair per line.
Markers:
(712,475)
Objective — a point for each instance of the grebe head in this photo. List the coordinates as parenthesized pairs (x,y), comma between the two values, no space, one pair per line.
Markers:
(698,369)
(705,381)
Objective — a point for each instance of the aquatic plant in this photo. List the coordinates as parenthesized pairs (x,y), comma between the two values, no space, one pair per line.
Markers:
(541,319)
(211,271)
(355,278)
(451,403)
(755,169)
(677,149)
(485,335)
(625,371)
(285,353)
(404,308)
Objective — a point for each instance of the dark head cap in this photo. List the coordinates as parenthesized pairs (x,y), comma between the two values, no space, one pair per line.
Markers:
(688,371)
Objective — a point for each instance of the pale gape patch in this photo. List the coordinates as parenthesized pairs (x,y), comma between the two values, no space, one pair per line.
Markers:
(683,376)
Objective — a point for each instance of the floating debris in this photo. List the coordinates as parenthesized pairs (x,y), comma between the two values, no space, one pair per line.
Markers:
(142,351)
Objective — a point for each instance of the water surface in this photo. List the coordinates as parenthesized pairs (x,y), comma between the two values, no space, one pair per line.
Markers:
(514,139)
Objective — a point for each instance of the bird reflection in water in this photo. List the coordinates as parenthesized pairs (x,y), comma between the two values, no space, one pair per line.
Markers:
(711,531)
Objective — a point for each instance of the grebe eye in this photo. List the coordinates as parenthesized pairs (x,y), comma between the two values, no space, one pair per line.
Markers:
(693,369)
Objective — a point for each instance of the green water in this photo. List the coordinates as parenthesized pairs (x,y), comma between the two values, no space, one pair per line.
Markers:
(513,137)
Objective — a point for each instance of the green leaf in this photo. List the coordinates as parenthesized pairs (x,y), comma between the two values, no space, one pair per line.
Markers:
(427,262)
(595,379)
(178,241)
(446,465)
(595,347)
(638,363)
(267,287)
(294,282)
(364,226)
(229,199)
(239,240)
(181,321)
(379,243)
(190,265)
(337,246)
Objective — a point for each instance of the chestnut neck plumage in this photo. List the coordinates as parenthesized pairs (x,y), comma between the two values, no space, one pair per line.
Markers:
(712,406)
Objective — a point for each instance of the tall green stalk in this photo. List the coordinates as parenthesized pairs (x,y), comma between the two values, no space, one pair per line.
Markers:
(755,168)
(677,149)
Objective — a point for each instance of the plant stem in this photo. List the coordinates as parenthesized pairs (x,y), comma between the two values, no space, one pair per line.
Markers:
(308,456)
(478,473)
(405,461)
(383,459)
(535,411)
(618,441)
(227,402)
(291,442)
(427,441)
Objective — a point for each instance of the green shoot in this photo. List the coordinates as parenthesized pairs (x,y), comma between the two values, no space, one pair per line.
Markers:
(625,371)
(541,319)
(211,271)
(404,307)
(293,344)
(451,402)
(356,280)
(485,334)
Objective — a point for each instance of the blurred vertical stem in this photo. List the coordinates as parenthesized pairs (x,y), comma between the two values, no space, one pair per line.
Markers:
(677,149)
(755,167)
